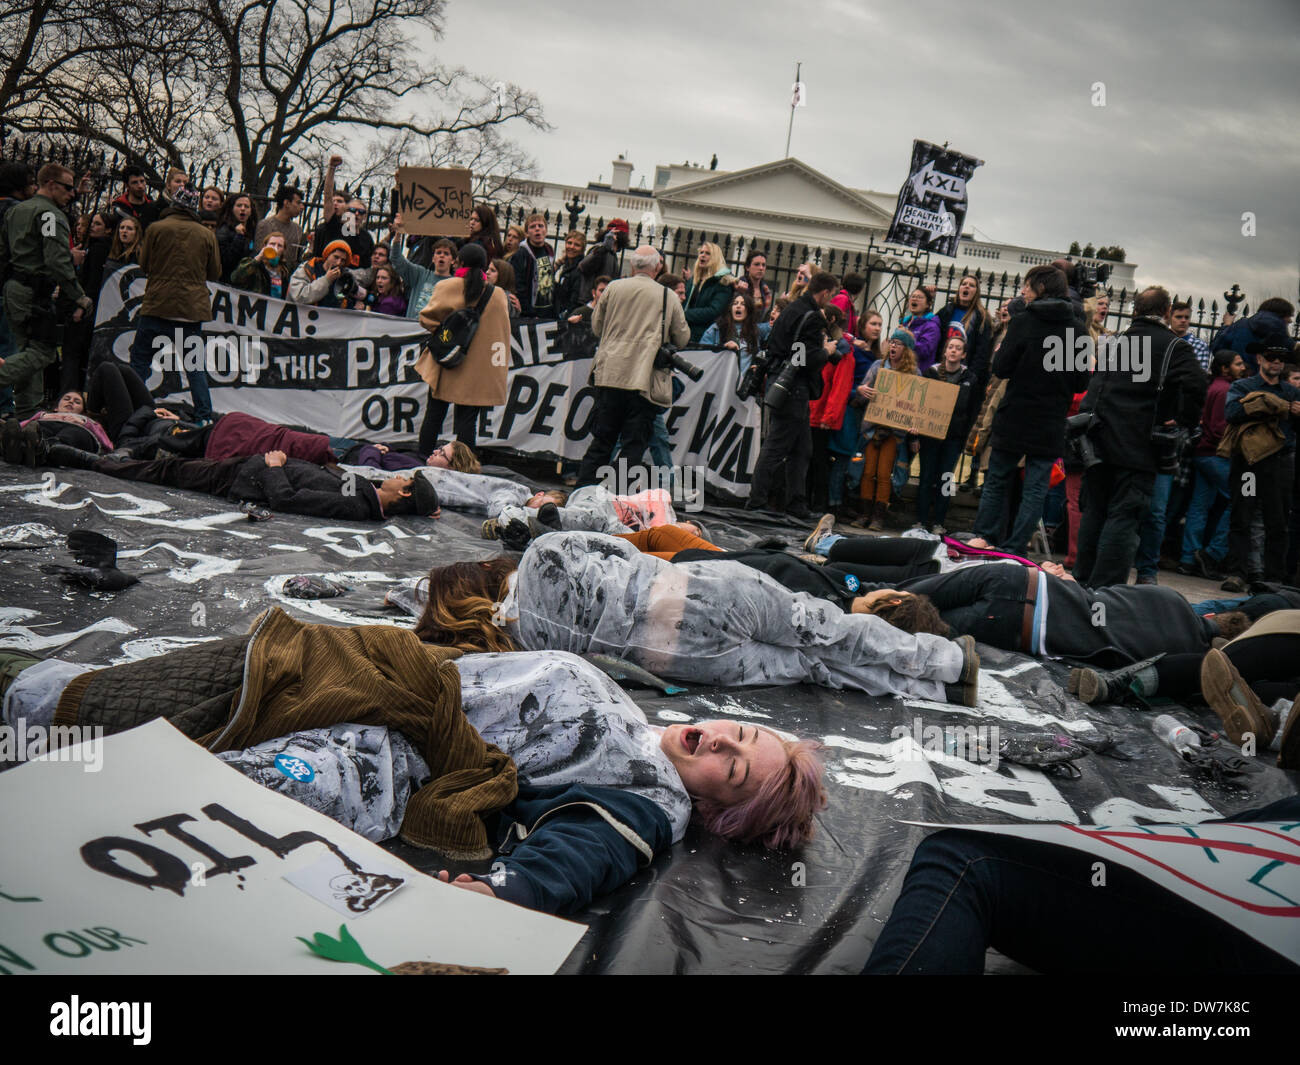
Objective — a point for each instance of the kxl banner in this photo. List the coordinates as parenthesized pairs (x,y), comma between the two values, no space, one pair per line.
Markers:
(932,202)
(352,374)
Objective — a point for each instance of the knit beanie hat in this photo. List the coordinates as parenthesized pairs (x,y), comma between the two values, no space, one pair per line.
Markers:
(339,245)
(904,337)
(188,198)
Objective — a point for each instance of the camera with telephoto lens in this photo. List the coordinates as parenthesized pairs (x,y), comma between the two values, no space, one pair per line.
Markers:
(751,381)
(1080,448)
(778,390)
(666,358)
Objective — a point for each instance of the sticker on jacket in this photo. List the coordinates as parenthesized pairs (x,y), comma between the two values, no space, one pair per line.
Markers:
(295,768)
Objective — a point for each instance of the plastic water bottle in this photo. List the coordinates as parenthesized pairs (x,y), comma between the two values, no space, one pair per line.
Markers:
(1174,734)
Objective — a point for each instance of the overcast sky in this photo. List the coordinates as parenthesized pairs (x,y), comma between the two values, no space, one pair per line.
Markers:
(1201,121)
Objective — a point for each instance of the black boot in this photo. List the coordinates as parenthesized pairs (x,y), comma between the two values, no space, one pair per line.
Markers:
(65,455)
(1113,686)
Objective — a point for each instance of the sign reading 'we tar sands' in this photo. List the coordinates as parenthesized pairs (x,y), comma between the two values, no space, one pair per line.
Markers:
(434,202)
(918,404)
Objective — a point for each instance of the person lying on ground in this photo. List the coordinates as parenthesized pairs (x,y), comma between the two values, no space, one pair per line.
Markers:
(288,485)
(967,891)
(1251,682)
(91,420)
(710,623)
(599,790)
(1016,608)
(592,508)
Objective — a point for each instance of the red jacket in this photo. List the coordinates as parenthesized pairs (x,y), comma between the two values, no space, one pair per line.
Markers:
(827,412)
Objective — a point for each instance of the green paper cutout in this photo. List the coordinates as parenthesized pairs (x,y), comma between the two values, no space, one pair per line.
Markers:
(345,948)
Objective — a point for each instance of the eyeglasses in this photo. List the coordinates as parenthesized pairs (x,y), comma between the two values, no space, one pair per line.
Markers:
(70,188)
(357,210)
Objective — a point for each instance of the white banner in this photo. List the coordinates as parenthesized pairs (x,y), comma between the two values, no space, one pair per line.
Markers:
(166,860)
(351,374)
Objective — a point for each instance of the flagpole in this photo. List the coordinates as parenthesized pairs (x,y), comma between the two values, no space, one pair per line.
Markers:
(794,100)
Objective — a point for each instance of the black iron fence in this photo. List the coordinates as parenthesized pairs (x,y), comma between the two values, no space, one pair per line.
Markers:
(890,273)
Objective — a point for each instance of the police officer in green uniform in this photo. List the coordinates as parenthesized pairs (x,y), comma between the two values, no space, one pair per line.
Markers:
(35,260)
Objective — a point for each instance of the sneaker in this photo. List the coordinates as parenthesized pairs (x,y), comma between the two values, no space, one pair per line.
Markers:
(938,530)
(816,560)
(1231,698)
(1233,584)
(489,529)
(1289,755)
(825,526)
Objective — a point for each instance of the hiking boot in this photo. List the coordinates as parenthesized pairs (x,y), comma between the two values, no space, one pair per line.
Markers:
(1233,584)
(489,529)
(825,526)
(878,514)
(1289,755)
(1205,566)
(964,691)
(1239,708)
(1108,686)
(11,442)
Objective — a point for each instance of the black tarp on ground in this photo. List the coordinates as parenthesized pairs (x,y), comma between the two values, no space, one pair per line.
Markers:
(706,906)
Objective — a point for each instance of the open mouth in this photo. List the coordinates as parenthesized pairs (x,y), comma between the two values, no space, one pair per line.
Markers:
(691,738)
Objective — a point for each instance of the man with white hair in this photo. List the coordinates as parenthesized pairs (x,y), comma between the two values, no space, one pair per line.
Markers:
(634,317)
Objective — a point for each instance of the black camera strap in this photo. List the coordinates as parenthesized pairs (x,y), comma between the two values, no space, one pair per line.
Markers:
(663,328)
(1164,372)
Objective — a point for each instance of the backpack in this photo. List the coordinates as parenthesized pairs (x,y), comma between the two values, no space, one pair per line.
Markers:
(449,343)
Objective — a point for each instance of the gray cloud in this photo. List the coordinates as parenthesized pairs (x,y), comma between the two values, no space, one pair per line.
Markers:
(1200,122)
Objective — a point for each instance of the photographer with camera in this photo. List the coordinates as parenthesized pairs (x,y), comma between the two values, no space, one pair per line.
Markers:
(796,353)
(328,281)
(1133,424)
(603,259)
(35,260)
(640,325)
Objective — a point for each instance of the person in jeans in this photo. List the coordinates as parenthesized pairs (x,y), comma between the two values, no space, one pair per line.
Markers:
(967,891)
(1203,551)
(1030,422)
(179,255)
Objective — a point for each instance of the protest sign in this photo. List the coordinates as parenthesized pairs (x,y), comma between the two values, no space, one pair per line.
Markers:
(169,861)
(918,404)
(434,202)
(353,375)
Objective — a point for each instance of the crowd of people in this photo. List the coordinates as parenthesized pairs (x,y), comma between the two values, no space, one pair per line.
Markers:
(1131,436)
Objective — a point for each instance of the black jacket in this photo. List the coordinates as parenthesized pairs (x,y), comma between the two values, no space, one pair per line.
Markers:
(234,247)
(968,399)
(806,317)
(1031,419)
(979,342)
(599,262)
(568,286)
(1125,406)
(300,487)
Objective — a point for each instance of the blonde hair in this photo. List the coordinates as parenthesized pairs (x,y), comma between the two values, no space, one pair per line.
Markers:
(798,288)
(702,273)
(463,459)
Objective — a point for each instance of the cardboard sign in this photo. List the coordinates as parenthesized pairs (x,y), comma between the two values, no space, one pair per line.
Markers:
(1247,874)
(167,860)
(434,202)
(917,404)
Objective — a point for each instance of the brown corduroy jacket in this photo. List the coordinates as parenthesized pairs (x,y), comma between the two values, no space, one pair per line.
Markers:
(287,676)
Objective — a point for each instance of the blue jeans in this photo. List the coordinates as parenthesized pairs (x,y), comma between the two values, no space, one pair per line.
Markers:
(1152,532)
(147,329)
(1211,484)
(937,458)
(1036,903)
(1004,465)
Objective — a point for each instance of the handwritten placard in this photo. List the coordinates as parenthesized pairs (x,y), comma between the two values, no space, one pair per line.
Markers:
(906,401)
(434,202)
